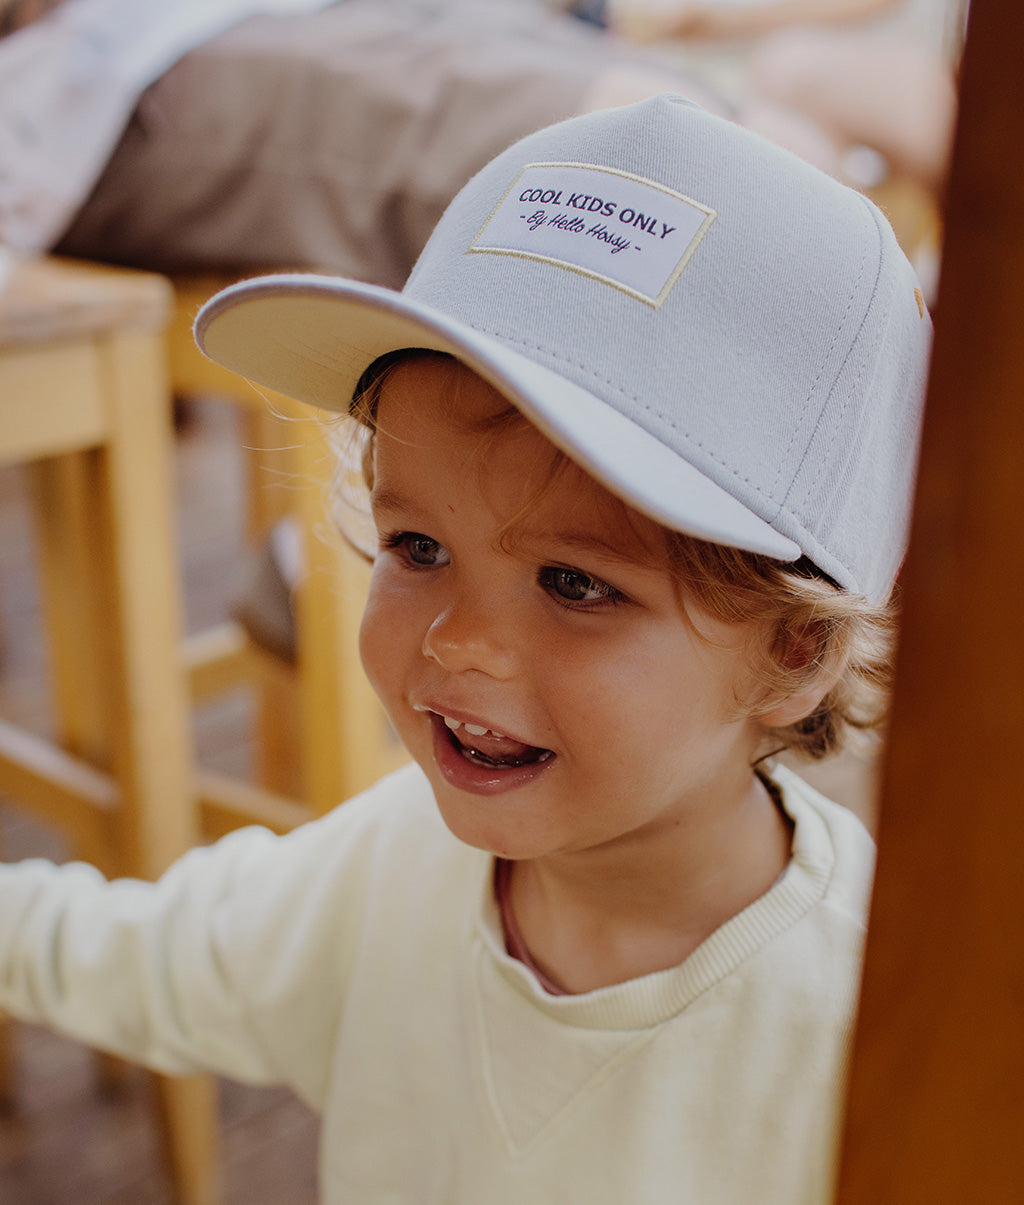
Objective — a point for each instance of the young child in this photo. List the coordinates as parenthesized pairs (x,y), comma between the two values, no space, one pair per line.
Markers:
(639,435)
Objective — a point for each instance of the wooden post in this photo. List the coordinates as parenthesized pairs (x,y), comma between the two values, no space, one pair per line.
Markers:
(936,1105)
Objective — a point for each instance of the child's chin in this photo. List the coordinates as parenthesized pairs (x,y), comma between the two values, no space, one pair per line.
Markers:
(488,824)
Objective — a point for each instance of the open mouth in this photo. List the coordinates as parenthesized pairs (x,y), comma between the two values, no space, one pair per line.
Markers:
(489,749)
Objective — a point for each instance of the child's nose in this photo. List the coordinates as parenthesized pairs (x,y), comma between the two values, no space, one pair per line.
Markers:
(472,636)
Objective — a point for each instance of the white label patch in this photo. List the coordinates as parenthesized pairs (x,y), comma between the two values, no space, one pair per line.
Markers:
(623,229)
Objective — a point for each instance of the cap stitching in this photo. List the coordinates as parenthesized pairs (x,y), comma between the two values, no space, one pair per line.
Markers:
(823,459)
(828,450)
(814,384)
(505,338)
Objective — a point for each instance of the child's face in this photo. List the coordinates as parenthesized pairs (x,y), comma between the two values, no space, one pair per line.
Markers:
(545,678)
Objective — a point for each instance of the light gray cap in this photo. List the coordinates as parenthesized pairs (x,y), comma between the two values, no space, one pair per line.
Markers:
(725,337)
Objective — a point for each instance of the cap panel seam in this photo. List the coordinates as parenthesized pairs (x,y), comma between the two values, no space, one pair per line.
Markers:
(824,459)
(814,384)
(800,510)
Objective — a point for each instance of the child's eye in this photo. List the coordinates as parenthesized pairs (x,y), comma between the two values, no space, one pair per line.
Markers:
(418,548)
(572,586)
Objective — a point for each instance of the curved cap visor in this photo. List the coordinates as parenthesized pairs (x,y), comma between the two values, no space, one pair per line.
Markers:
(312,337)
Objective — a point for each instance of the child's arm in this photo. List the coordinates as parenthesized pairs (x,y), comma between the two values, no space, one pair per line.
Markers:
(233,962)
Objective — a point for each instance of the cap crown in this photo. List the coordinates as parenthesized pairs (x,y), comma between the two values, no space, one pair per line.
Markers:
(784,358)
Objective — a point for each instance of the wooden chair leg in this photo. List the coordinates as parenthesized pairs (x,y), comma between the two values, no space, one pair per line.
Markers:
(278,761)
(269,437)
(151,751)
(347,742)
(7,1076)
(191,1144)
(65,535)
(8,1083)
(67,545)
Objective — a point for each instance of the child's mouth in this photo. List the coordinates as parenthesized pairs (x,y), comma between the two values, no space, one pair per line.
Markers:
(493,750)
(482,761)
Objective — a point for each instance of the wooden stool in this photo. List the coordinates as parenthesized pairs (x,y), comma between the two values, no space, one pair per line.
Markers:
(339,741)
(84,403)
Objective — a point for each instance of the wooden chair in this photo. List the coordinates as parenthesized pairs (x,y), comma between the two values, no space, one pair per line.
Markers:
(321,733)
(84,405)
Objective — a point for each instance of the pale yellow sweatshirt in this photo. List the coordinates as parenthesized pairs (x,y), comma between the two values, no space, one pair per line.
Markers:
(360,960)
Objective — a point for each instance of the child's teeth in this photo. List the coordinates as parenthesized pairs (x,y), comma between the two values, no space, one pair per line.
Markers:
(471,729)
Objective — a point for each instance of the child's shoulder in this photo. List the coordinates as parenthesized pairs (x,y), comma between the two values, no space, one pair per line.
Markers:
(394,828)
(393,822)
(398,807)
(387,843)
(830,845)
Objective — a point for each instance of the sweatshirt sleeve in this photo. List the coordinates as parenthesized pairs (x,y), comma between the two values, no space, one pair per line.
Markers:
(235,962)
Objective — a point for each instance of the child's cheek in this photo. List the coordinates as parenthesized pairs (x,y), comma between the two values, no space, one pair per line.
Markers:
(373,632)
(390,635)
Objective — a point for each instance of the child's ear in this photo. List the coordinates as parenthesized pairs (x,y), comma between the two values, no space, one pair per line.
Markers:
(816,668)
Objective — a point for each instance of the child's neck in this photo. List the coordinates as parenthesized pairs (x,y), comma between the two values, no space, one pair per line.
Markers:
(608,915)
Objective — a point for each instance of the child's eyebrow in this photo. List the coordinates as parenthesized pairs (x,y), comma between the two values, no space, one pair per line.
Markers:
(385,498)
(523,538)
(581,543)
